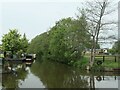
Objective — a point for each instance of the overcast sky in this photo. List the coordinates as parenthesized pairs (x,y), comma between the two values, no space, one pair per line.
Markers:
(34,17)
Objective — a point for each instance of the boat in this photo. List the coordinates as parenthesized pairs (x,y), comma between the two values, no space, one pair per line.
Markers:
(20,60)
(30,57)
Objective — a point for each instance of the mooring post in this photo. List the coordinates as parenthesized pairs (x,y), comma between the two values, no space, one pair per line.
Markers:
(103,77)
(115,77)
(115,58)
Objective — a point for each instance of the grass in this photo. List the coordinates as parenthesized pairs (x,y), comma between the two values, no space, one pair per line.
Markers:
(82,63)
(109,62)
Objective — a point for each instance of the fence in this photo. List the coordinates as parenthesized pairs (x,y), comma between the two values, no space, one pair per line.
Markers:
(114,57)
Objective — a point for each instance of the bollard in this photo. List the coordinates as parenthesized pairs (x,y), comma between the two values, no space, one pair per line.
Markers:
(115,58)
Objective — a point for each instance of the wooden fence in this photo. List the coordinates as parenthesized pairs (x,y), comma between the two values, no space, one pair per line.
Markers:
(110,56)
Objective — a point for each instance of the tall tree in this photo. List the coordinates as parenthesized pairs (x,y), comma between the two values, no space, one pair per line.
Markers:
(95,16)
(64,42)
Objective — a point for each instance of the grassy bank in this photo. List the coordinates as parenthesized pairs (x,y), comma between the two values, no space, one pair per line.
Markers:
(109,62)
(82,63)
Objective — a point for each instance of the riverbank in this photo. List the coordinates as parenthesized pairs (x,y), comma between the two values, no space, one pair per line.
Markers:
(108,65)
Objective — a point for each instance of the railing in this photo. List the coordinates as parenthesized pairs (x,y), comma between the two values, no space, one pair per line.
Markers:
(103,57)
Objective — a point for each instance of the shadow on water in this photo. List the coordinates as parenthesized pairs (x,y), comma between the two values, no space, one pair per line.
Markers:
(49,74)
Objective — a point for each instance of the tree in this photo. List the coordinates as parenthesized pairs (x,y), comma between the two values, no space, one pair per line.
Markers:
(13,42)
(24,43)
(115,48)
(64,42)
(0,47)
(95,16)
(40,45)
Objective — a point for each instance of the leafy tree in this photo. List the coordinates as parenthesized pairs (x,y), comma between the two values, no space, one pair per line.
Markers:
(64,42)
(40,45)
(0,47)
(13,42)
(115,49)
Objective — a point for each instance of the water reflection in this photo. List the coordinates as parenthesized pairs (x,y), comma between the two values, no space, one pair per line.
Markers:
(10,79)
(54,75)
(0,77)
(31,81)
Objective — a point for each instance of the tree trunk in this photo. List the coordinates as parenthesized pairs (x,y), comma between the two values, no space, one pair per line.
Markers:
(92,58)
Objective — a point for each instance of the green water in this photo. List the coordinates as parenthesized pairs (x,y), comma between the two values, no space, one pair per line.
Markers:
(48,74)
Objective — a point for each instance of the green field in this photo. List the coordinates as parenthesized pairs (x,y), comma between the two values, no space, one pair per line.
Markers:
(109,61)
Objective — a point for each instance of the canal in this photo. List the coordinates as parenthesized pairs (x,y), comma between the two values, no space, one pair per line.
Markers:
(46,74)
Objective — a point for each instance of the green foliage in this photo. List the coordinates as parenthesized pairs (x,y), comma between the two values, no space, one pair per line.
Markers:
(81,63)
(64,42)
(0,47)
(24,43)
(13,42)
(112,51)
(111,64)
(40,45)
(115,49)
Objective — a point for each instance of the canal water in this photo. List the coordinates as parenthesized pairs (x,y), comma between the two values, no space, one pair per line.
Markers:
(46,74)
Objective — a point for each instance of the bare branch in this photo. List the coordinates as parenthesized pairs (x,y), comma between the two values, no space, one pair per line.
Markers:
(100,4)
(106,42)
(110,11)
(110,37)
(92,20)
(109,23)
